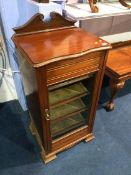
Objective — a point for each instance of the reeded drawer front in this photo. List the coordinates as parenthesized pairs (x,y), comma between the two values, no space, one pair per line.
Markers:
(72,68)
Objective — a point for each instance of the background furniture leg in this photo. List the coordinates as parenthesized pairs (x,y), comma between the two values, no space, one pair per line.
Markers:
(115,87)
(93,7)
(125,4)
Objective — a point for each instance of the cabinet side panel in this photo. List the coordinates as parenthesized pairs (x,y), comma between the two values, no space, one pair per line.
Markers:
(97,89)
(31,92)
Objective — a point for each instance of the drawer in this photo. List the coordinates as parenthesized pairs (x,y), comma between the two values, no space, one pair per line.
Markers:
(72,68)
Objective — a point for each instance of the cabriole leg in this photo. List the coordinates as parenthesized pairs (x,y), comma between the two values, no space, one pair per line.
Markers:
(125,4)
(93,7)
(115,87)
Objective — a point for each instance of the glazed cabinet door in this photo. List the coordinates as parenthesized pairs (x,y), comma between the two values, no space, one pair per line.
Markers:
(70,104)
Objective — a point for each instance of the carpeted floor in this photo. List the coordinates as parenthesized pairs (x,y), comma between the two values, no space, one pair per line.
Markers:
(108,154)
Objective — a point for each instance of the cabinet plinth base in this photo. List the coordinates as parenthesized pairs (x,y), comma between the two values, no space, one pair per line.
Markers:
(51,156)
(90,137)
(45,157)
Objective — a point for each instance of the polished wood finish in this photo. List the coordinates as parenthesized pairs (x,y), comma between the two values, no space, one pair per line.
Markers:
(66,69)
(118,68)
(53,59)
(68,43)
(36,24)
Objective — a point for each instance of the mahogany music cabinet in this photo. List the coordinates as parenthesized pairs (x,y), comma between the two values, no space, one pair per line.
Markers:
(62,68)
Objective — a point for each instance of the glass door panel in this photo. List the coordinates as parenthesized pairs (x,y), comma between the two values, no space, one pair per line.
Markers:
(70,105)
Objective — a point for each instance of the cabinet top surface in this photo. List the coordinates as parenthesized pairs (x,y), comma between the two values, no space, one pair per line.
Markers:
(47,47)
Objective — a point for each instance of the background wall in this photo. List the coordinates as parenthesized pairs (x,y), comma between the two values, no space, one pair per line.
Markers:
(7,87)
(15,13)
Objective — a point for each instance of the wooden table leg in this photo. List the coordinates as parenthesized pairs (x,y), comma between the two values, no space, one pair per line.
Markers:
(125,4)
(93,7)
(115,87)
